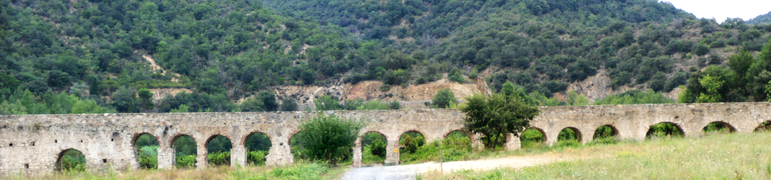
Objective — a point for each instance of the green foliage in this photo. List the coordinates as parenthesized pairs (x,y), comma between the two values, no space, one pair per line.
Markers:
(265,101)
(327,102)
(328,138)
(219,158)
(72,161)
(604,132)
(443,98)
(148,157)
(456,146)
(289,104)
(411,141)
(187,161)
(716,127)
(567,134)
(373,148)
(635,97)
(184,146)
(256,157)
(395,105)
(125,101)
(146,97)
(663,130)
(218,143)
(712,85)
(182,109)
(496,116)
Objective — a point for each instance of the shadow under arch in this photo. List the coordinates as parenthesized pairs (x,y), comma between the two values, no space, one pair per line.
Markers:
(605,131)
(218,148)
(764,126)
(664,129)
(533,137)
(185,150)
(70,159)
(569,133)
(719,126)
(146,150)
(257,145)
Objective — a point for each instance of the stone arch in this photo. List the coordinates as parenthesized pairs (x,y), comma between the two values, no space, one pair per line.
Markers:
(375,154)
(599,132)
(173,140)
(245,143)
(763,126)
(411,132)
(139,153)
(61,155)
(668,130)
(292,143)
(468,134)
(226,145)
(727,125)
(526,141)
(578,134)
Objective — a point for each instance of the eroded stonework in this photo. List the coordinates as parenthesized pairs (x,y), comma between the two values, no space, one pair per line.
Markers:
(31,144)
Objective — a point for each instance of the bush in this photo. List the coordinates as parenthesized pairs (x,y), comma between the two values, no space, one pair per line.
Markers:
(185,161)
(148,157)
(411,141)
(256,157)
(219,158)
(73,161)
(443,98)
(329,138)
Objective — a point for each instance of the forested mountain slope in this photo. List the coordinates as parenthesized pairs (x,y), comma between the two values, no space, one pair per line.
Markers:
(762,19)
(227,50)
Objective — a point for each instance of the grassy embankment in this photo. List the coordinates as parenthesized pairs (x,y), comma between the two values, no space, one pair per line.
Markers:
(716,156)
(299,171)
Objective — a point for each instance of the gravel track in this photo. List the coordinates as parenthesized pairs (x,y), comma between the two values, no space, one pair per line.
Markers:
(411,171)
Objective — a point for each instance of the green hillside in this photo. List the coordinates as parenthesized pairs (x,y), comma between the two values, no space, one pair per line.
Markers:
(226,50)
(761,19)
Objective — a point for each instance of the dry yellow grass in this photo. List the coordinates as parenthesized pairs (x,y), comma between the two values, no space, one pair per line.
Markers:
(717,156)
(304,171)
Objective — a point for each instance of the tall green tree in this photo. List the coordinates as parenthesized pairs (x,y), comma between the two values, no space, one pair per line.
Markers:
(496,116)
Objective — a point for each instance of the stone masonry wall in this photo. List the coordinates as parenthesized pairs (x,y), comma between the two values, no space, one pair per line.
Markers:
(32,144)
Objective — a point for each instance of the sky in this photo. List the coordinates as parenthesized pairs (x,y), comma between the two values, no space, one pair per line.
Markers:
(721,9)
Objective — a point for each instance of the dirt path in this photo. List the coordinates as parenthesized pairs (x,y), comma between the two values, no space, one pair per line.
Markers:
(410,171)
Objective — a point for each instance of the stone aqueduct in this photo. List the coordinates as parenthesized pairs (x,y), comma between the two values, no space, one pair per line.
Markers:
(32,144)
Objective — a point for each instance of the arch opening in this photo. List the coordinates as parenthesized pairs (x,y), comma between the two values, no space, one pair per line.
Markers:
(763,127)
(218,150)
(185,151)
(605,134)
(146,148)
(458,139)
(257,146)
(373,148)
(569,136)
(296,147)
(71,160)
(664,130)
(718,127)
(532,138)
(410,141)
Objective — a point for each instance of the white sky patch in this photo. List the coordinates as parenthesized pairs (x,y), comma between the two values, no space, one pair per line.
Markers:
(722,9)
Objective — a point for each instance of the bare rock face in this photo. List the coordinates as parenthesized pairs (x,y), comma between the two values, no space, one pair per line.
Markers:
(596,87)
(159,94)
(412,96)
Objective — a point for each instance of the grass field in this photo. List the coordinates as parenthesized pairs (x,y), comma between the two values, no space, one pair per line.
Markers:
(299,171)
(714,156)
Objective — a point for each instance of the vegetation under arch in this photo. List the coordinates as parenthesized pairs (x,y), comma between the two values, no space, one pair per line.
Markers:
(218,150)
